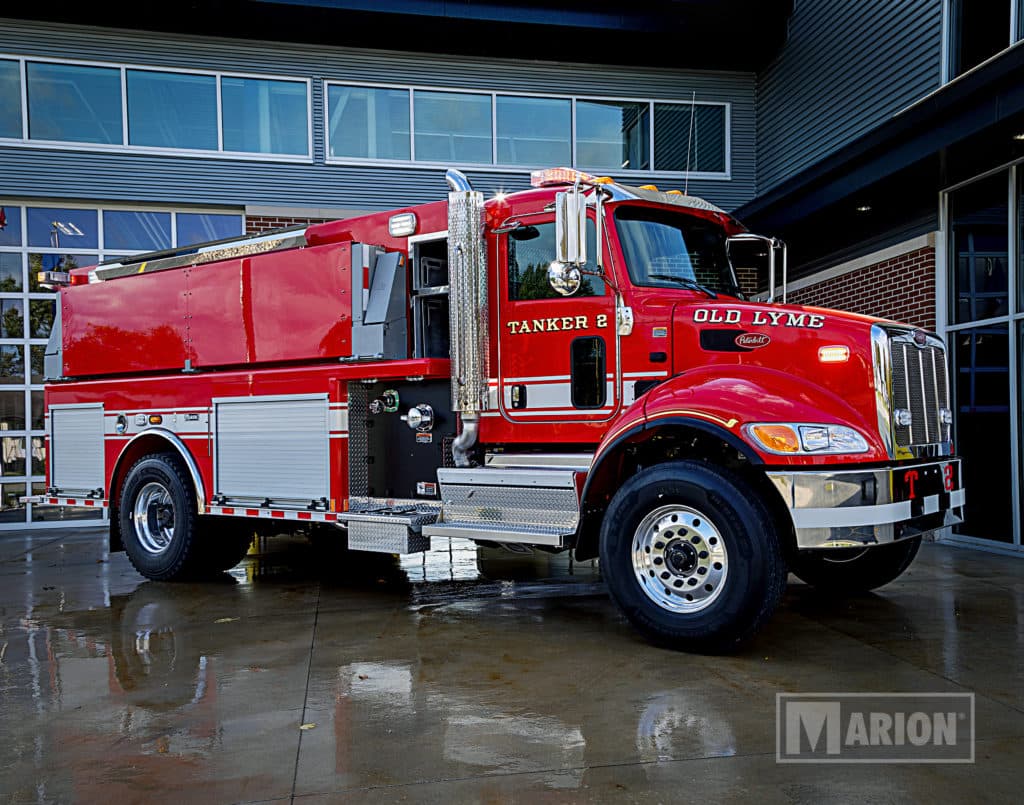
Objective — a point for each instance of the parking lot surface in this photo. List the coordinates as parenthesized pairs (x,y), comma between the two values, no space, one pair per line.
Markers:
(466,675)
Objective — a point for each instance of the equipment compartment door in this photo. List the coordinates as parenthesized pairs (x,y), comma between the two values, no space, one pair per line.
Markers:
(272,448)
(557,355)
(76,447)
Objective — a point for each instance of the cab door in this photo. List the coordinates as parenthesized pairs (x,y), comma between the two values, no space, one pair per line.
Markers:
(557,355)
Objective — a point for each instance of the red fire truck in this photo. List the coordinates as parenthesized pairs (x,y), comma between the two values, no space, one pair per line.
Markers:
(570,367)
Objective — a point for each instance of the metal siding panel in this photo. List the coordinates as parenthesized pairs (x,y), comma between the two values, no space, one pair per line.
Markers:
(846,67)
(77,462)
(173,179)
(272,447)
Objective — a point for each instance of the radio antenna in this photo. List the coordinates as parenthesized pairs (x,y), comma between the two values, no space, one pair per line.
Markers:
(689,143)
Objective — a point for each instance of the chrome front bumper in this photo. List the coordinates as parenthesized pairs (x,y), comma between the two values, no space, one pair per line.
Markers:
(854,508)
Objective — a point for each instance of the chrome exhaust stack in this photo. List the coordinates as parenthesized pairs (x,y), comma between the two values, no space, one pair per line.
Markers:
(467,273)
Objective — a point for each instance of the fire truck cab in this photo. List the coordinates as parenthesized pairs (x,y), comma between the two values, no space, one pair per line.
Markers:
(570,367)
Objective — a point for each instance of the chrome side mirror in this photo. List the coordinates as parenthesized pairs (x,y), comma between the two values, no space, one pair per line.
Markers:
(571,227)
(565,279)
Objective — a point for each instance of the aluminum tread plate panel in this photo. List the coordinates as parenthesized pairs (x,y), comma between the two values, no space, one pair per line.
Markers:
(272,447)
(385,538)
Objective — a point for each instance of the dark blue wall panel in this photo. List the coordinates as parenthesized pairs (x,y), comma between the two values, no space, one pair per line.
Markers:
(846,67)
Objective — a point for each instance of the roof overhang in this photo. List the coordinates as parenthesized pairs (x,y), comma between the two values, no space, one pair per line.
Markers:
(981,109)
(739,35)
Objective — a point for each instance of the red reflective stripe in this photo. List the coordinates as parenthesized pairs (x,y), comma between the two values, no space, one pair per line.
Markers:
(277,514)
(89,502)
(252,512)
(227,510)
(71,501)
(330,517)
(54,501)
(305,516)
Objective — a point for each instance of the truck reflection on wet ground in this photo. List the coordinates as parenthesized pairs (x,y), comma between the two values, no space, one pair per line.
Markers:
(434,677)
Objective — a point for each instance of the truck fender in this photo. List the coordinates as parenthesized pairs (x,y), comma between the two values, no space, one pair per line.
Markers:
(605,472)
(152,440)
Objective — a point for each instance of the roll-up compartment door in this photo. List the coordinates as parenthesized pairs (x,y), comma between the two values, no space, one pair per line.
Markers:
(76,447)
(272,447)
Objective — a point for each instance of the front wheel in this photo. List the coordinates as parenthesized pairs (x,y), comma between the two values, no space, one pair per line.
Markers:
(691,556)
(843,571)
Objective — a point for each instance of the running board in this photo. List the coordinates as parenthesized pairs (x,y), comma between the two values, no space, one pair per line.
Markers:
(511,534)
(530,505)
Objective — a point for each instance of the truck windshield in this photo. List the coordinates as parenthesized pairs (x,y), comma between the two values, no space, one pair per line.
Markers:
(667,249)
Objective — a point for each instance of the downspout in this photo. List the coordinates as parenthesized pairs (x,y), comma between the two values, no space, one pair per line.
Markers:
(467,272)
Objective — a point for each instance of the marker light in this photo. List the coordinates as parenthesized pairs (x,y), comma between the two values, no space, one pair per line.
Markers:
(807,439)
(777,438)
(555,176)
(834,354)
(649,187)
(402,224)
(155,419)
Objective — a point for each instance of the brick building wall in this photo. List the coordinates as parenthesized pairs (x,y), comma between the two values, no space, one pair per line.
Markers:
(900,288)
(257,224)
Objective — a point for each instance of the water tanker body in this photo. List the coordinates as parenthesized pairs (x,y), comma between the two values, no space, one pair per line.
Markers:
(571,367)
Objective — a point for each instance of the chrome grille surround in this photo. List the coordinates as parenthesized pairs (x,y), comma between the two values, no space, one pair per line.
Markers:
(911,376)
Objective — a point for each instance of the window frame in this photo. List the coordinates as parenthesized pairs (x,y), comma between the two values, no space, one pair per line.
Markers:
(493,166)
(124,147)
(28,342)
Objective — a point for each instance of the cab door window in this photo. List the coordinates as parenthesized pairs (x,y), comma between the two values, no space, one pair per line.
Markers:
(530,251)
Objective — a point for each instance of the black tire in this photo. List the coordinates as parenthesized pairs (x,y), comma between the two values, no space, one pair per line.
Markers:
(225,541)
(844,571)
(162,538)
(721,526)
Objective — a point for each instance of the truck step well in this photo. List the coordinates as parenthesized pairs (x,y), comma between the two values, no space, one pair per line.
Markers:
(537,506)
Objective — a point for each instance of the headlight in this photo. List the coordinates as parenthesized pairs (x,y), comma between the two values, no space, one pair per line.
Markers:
(787,438)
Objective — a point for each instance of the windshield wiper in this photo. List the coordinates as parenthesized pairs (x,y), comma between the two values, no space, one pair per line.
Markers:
(686,282)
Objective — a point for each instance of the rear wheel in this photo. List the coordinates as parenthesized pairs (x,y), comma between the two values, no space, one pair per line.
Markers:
(159,518)
(226,541)
(855,570)
(692,556)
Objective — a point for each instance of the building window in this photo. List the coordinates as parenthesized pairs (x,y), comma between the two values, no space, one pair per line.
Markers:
(10,99)
(265,117)
(139,231)
(34,239)
(979,343)
(452,127)
(489,128)
(74,103)
(368,123)
(689,137)
(140,108)
(613,135)
(200,227)
(172,110)
(534,131)
(978,30)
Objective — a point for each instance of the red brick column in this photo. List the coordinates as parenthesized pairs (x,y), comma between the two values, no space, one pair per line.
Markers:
(901,288)
(257,224)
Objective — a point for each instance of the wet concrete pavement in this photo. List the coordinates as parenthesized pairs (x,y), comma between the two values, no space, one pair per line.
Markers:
(432,679)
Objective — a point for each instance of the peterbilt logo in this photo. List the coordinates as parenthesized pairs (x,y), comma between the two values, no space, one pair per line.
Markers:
(753,340)
(920,338)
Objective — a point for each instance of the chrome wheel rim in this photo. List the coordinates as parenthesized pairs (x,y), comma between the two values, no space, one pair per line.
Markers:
(679,559)
(153,517)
